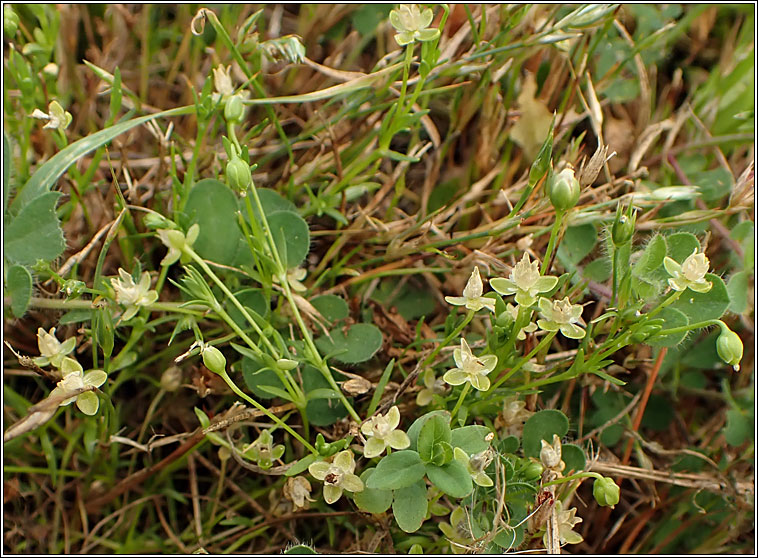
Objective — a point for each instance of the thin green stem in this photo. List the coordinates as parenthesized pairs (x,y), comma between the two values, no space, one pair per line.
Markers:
(446,342)
(461,397)
(543,343)
(551,243)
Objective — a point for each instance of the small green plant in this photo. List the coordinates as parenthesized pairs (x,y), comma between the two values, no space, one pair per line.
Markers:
(451,353)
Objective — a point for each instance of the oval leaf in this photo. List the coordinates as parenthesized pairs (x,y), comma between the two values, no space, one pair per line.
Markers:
(19,286)
(471,438)
(213,206)
(360,343)
(453,479)
(291,235)
(372,500)
(541,426)
(434,431)
(35,233)
(400,469)
(409,506)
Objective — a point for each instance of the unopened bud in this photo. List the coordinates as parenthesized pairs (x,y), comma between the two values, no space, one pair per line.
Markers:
(550,454)
(10,21)
(234,109)
(729,347)
(606,492)
(238,175)
(286,364)
(541,164)
(214,359)
(563,189)
(623,226)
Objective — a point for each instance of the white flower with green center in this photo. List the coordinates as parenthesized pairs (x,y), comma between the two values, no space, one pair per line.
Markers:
(51,349)
(412,24)
(529,328)
(77,386)
(432,386)
(470,368)
(458,532)
(562,315)
(566,521)
(57,118)
(382,432)
(525,282)
(476,465)
(133,295)
(294,278)
(176,241)
(690,274)
(337,476)
(263,451)
(472,295)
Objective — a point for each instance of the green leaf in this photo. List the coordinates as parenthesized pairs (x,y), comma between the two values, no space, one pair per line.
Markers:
(738,288)
(372,500)
(35,233)
(252,299)
(301,465)
(409,506)
(598,270)
(291,235)
(256,377)
(541,426)
(367,16)
(576,244)
(681,245)
(321,412)
(360,343)
(699,307)
(398,470)
(434,431)
(18,283)
(7,164)
(45,177)
(300,549)
(471,438)
(650,260)
(213,206)
(671,318)
(332,307)
(739,427)
(574,458)
(415,428)
(452,478)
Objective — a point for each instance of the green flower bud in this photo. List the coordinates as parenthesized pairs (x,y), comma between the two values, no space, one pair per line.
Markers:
(533,470)
(541,164)
(623,226)
(73,288)
(214,360)
(238,175)
(286,364)
(563,189)
(10,21)
(234,109)
(647,331)
(504,319)
(157,221)
(606,492)
(729,347)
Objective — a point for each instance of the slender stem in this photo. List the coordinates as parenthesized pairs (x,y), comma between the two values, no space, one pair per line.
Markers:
(265,411)
(446,342)
(551,243)
(615,276)
(461,397)
(690,327)
(543,343)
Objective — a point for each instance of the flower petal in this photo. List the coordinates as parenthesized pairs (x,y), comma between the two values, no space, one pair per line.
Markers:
(701,286)
(572,331)
(95,378)
(393,417)
(548,325)
(544,284)
(456,300)
(352,483)
(672,267)
(489,362)
(88,403)
(482,383)
(319,469)
(398,440)
(374,448)
(332,493)
(345,461)
(455,377)
(503,286)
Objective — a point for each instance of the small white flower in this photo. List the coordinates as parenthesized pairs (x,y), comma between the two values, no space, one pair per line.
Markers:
(470,368)
(74,381)
(525,282)
(263,451)
(222,80)
(411,24)
(57,118)
(51,349)
(133,295)
(476,465)
(690,274)
(382,432)
(298,491)
(176,242)
(472,295)
(432,386)
(566,521)
(337,476)
(562,315)
(294,278)
(550,454)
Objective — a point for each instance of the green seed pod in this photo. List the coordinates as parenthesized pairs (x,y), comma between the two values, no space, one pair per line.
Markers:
(533,470)
(606,492)
(234,109)
(563,189)
(729,347)
(238,175)
(286,364)
(10,21)
(214,360)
